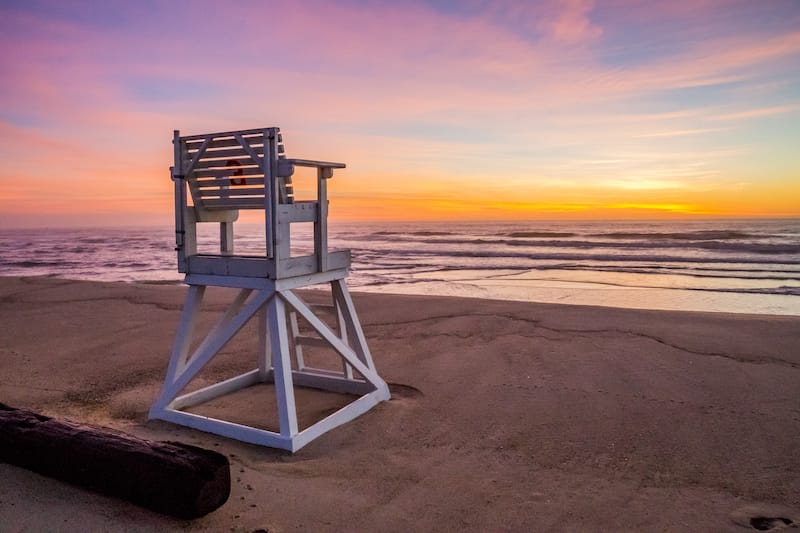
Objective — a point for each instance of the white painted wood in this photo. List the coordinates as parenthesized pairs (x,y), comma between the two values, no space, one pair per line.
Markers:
(308,264)
(321,224)
(245,133)
(317,379)
(264,437)
(210,348)
(227,191)
(283,235)
(353,326)
(270,193)
(196,214)
(285,168)
(230,164)
(305,340)
(254,202)
(264,345)
(248,169)
(282,366)
(265,283)
(180,222)
(192,163)
(254,156)
(180,201)
(336,343)
(226,238)
(222,173)
(228,152)
(237,266)
(341,329)
(342,416)
(318,164)
(298,212)
(180,347)
(216,390)
(236,282)
(189,234)
(309,279)
(253,139)
(223,322)
(294,329)
(231,430)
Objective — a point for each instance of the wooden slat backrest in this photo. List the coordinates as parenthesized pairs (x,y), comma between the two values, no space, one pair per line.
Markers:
(225,171)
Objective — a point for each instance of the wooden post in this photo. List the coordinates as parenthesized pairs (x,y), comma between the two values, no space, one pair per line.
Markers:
(270,200)
(321,225)
(180,347)
(264,350)
(282,365)
(177,176)
(226,238)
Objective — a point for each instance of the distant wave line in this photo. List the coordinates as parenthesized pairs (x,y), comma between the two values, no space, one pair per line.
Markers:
(516,271)
(581,257)
(717,246)
(778,291)
(717,235)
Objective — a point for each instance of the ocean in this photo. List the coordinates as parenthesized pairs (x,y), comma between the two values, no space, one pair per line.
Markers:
(736,266)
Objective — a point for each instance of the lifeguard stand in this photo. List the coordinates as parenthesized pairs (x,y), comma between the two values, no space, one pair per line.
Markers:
(224,173)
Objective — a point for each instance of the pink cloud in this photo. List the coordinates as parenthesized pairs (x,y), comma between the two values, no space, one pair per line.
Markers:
(572,24)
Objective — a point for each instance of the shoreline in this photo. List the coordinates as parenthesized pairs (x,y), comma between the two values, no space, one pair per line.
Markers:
(505,415)
(593,295)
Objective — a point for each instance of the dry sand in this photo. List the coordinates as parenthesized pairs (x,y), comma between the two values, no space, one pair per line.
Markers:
(506,416)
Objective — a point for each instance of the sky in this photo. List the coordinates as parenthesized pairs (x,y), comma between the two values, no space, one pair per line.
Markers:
(470,110)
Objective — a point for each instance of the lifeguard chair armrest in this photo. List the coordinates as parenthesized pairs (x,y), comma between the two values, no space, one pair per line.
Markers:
(318,164)
(324,168)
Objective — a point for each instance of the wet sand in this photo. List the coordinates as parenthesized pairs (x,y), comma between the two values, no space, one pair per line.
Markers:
(506,416)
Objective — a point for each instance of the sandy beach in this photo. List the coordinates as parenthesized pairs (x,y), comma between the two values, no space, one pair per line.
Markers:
(506,416)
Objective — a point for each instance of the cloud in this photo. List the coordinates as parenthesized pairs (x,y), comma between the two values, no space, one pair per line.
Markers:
(572,24)
(681,133)
(759,112)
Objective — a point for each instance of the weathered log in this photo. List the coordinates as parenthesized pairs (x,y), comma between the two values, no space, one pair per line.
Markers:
(168,477)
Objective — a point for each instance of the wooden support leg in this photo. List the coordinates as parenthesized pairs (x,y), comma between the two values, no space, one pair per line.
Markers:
(276,312)
(354,331)
(225,320)
(294,329)
(226,238)
(333,340)
(212,345)
(264,352)
(281,363)
(183,339)
(341,327)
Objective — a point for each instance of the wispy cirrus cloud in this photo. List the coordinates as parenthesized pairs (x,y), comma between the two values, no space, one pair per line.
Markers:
(681,133)
(759,112)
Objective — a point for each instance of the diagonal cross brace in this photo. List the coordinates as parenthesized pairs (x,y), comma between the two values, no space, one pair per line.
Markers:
(209,349)
(252,153)
(336,343)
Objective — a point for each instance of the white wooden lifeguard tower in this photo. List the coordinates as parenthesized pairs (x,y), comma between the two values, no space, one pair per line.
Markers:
(224,173)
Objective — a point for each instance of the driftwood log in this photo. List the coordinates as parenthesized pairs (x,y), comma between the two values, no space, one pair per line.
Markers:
(168,477)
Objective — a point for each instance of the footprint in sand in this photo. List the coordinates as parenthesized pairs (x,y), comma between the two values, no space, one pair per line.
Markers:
(765,517)
(766,523)
(404,392)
